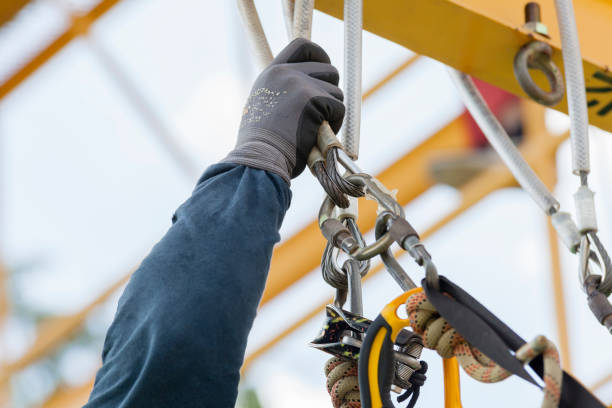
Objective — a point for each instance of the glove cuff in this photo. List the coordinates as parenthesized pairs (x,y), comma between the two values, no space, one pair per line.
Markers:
(262,149)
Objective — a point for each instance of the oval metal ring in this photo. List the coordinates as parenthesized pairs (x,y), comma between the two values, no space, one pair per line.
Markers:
(537,55)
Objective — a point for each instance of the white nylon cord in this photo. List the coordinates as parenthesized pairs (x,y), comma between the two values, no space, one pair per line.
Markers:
(302,18)
(574,79)
(288,9)
(257,36)
(501,142)
(353,23)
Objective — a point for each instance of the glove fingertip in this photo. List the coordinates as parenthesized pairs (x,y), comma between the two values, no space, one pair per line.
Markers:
(302,50)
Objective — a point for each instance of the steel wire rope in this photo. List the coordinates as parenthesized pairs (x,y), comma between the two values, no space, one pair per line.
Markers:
(569,232)
(501,142)
(263,52)
(579,130)
(524,174)
(302,27)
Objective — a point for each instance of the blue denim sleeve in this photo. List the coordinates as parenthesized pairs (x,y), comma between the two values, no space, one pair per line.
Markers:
(180,331)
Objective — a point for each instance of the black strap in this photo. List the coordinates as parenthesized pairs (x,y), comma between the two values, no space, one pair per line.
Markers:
(483,330)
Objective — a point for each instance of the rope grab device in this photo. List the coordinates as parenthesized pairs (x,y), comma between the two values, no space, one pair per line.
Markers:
(372,358)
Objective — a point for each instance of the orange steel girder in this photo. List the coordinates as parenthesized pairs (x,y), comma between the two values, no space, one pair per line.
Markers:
(10,8)
(54,331)
(79,25)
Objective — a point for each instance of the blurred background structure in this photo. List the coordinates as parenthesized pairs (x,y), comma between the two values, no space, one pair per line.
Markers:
(111,109)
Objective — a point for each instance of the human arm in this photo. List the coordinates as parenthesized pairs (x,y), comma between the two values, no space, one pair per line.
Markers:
(180,331)
(179,335)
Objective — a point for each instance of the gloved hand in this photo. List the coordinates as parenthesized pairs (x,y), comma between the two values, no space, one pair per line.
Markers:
(289,101)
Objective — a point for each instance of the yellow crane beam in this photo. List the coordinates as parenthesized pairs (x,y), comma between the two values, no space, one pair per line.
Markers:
(481,38)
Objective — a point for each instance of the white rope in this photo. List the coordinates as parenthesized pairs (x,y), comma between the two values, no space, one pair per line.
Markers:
(257,36)
(501,142)
(353,22)
(302,18)
(574,79)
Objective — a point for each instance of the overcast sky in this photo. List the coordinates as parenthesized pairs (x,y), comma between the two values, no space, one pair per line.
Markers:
(88,188)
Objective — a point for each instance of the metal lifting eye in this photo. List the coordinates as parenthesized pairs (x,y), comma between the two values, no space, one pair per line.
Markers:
(537,55)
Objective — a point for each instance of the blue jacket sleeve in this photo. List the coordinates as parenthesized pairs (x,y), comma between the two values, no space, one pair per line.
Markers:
(180,332)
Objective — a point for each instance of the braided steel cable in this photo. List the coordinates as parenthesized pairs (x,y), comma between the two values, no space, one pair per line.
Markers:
(340,182)
(262,50)
(501,142)
(302,27)
(335,186)
(330,188)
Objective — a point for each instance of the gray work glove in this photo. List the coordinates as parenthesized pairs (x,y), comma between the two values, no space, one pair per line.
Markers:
(289,101)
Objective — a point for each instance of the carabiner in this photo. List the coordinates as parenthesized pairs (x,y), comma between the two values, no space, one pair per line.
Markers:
(431,274)
(351,268)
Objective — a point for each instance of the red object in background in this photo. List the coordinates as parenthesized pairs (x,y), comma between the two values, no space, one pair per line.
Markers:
(505,106)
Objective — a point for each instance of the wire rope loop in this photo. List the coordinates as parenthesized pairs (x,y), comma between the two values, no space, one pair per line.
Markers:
(339,235)
(334,273)
(537,55)
(592,253)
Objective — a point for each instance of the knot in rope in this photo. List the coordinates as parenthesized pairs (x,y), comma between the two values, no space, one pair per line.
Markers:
(343,383)
(439,335)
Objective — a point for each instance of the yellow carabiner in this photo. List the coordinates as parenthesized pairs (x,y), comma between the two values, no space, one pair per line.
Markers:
(375,360)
